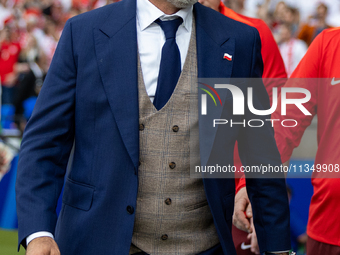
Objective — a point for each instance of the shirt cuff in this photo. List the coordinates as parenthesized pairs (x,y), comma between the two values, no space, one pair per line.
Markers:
(277,252)
(38,234)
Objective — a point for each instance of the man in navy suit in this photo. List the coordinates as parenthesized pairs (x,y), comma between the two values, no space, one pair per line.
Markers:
(94,97)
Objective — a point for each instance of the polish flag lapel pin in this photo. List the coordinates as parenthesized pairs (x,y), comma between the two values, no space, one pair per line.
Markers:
(227,56)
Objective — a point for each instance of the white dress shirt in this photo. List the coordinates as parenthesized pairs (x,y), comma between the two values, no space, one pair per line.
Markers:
(151,38)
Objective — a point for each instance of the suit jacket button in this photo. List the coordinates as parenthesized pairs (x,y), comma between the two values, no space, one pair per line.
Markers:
(172,165)
(175,128)
(164,237)
(141,127)
(168,201)
(130,209)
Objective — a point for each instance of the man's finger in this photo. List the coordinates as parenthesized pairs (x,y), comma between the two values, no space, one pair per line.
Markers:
(240,220)
(55,252)
(254,244)
(249,211)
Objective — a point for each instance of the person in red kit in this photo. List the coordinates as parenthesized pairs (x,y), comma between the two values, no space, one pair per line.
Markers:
(319,73)
(273,68)
(322,61)
(9,55)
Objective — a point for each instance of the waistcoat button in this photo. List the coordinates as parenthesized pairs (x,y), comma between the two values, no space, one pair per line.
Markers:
(168,201)
(172,165)
(175,128)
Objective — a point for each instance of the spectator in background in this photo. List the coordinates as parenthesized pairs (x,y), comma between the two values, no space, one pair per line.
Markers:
(9,55)
(291,18)
(333,18)
(27,21)
(273,19)
(6,156)
(29,33)
(307,8)
(240,7)
(30,49)
(283,13)
(263,12)
(5,13)
(292,50)
(29,82)
(316,24)
(51,39)
(87,5)
(279,13)
(46,25)
(33,20)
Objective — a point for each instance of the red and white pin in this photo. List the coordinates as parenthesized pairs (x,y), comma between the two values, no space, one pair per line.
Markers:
(227,57)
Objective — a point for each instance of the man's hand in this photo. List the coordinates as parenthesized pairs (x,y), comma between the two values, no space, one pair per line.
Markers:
(42,246)
(241,209)
(6,157)
(253,239)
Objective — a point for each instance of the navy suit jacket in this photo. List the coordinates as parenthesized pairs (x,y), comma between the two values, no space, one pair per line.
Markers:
(90,96)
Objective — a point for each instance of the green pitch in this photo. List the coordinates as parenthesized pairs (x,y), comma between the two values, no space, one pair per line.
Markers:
(8,243)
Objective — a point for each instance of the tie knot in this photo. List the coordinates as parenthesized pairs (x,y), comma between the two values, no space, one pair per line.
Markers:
(169,27)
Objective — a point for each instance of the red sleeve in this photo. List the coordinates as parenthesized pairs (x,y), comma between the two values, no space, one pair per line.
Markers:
(240,183)
(288,138)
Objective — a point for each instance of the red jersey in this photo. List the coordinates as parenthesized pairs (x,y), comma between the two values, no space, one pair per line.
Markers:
(322,60)
(9,55)
(273,66)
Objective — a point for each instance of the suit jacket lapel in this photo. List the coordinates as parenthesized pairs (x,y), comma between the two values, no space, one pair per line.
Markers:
(212,44)
(116,50)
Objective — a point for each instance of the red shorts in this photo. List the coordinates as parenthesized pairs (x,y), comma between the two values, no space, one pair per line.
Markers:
(242,244)
(318,248)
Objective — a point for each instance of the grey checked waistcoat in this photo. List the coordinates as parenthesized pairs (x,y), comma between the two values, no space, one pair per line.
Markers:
(172,213)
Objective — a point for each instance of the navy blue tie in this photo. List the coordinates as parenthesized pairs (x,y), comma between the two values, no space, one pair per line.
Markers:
(170,67)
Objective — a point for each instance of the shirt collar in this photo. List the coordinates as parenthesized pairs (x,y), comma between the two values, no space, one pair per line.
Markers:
(147,13)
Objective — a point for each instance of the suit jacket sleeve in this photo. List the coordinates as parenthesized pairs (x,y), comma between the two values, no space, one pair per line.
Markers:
(46,144)
(274,72)
(257,147)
